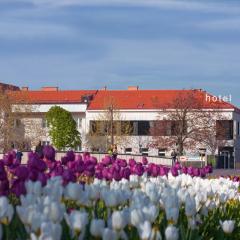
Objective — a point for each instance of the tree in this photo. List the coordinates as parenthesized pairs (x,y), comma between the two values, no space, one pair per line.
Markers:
(185,123)
(109,127)
(63,128)
(6,121)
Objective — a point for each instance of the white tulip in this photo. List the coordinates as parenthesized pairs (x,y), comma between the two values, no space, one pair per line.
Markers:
(97,227)
(136,216)
(3,206)
(172,214)
(150,213)
(227,226)
(34,188)
(145,230)
(190,206)
(171,233)
(54,211)
(50,231)
(118,220)
(77,221)
(155,235)
(72,191)
(109,234)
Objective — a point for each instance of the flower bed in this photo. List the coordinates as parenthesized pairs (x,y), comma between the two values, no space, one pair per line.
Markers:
(78,198)
(78,168)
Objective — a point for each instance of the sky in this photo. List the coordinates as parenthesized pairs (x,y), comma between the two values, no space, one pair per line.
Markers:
(89,44)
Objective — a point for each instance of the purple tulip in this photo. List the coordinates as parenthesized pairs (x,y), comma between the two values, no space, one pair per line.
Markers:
(190,171)
(162,171)
(107,160)
(49,153)
(202,173)
(22,173)
(138,169)
(196,172)
(174,171)
(132,162)
(184,170)
(125,173)
(144,161)
(33,175)
(68,176)
(4,187)
(155,170)
(116,175)
(42,178)
(18,187)
(70,155)
(8,159)
(78,157)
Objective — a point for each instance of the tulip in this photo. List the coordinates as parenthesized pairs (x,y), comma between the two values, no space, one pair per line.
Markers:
(145,230)
(49,231)
(196,172)
(109,234)
(136,217)
(70,155)
(49,153)
(132,162)
(18,187)
(174,171)
(77,221)
(54,211)
(171,233)
(97,227)
(227,226)
(22,173)
(4,187)
(190,206)
(6,210)
(118,221)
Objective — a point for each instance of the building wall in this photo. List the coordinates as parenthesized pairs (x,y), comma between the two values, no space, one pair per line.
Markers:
(236,117)
(148,115)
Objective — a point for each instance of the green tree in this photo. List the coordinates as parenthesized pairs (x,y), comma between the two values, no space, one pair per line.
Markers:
(62,128)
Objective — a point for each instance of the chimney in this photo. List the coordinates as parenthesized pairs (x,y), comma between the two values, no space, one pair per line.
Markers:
(50,89)
(25,89)
(104,88)
(133,88)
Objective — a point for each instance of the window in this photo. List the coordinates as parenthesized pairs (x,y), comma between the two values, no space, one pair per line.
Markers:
(79,123)
(144,151)
(17,123)
(78,148)
(45,143)
(224,129)
(95,149)
(44,123)
(162,152)
(238,129)
(143,128)
(128,150)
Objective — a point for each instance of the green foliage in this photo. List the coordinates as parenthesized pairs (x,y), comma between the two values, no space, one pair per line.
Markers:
(63,128)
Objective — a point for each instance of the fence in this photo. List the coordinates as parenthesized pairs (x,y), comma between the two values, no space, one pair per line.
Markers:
(151,159)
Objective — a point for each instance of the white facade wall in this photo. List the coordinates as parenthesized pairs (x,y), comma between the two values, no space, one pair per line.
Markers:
(83,117)
(150,115)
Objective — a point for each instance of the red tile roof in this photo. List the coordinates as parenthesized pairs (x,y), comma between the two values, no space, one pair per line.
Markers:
(149,99)
(44,97)
(122,99)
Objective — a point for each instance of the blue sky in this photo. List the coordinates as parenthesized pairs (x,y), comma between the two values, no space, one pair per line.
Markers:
(88,44)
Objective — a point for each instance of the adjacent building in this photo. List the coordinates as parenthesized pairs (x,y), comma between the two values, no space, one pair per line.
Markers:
(132,112)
